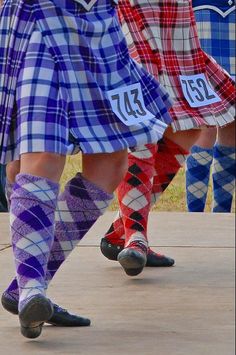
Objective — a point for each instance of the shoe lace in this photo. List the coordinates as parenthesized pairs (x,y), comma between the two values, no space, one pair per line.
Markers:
(60,309)
(150,251)
(139,245)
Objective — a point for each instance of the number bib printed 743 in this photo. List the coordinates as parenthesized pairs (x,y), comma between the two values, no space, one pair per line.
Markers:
(197,90)
(128,104)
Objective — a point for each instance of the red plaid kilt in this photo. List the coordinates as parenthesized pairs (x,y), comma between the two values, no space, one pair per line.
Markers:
(162,36)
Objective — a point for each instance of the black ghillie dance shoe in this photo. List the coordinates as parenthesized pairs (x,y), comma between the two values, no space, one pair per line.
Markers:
(111,252)
(33,315)
(133,258)
(60,318)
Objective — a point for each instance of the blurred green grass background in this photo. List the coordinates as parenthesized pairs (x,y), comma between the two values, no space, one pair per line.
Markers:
(172,200)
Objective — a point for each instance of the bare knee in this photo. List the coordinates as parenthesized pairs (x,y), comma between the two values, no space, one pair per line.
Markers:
(13,168)
(47,165)
(185,139)
(207,137)
(226,135)
(105,170)
(120,168)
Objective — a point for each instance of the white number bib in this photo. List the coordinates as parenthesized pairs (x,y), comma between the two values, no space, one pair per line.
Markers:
(128,104)
(197,90)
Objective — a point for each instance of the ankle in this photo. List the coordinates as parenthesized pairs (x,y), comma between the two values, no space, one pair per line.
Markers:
(139,246)
(115,240)
(24,299)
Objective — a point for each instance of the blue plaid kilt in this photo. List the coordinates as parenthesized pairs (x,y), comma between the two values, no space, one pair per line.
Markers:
(57,63)
(217,37)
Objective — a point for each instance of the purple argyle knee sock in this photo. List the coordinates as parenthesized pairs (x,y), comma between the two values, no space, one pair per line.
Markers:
(79,207)
(33,203)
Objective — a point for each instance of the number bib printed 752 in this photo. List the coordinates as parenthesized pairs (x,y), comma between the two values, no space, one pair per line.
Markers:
(128,104)
(197,90)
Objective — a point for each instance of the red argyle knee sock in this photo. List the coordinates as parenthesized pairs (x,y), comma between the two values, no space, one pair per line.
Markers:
(116,232)
(140,159)
(170,157)
(134,194)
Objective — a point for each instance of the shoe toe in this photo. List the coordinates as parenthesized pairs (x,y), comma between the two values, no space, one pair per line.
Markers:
(32,316)
(132,261)
(156,260)
(62,318)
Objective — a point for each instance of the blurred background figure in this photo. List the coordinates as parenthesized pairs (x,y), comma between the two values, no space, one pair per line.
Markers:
(215,148)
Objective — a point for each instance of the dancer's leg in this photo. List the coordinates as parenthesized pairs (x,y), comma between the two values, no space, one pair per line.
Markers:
(171,155)
(12,169)
(224,169)
(138,180)
(32,211)
(87,201)
(168,159)
(134,196)
(198,167)
(83,202)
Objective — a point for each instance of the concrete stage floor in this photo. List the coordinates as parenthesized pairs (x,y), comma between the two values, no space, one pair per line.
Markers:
(184,310)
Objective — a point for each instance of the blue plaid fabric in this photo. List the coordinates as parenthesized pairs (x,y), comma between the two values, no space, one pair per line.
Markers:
(57,62)
(3,201)
(217,36)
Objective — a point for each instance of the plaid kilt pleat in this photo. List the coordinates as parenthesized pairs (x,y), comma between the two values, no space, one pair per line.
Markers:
(217,37)
(162,36)
(57,63)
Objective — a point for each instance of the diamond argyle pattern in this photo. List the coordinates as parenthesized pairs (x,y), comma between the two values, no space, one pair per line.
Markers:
(223,178)
(166,158)
(198,166)
(33,203)
(134,194)
(170,157)
(79,207)
(116,231)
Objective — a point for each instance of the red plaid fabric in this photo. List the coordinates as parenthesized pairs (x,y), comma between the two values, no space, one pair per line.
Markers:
(162,36)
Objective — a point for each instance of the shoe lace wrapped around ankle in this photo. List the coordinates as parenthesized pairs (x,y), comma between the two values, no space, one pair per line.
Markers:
(138,245)
(151,252)
(60,309)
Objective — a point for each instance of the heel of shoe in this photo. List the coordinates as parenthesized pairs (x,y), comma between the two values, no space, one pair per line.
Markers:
(32,317)
(132,261)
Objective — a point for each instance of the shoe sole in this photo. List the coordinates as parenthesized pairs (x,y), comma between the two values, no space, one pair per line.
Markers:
(132,262)
(33,315)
